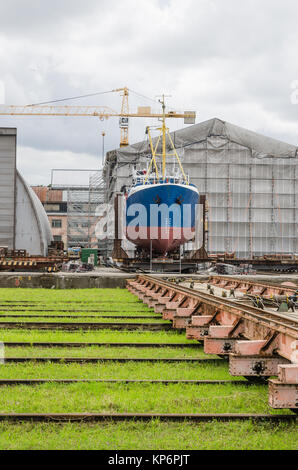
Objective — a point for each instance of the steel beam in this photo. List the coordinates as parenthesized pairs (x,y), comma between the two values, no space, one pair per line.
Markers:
(283,395)
(219,345)
(259,343)
(197,332)
(256,366)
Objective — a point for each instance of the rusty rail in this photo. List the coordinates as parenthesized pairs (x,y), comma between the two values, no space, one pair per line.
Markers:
(85,326)
(14,382)
(273,320)
(64,311)
(249,286)
(258,343)
(11,344)
(82,360)
(100,417)
(126,317)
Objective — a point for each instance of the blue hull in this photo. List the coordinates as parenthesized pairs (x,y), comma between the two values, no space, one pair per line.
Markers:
(161,216)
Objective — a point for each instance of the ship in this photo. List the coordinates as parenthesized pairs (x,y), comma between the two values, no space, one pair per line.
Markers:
(160,206)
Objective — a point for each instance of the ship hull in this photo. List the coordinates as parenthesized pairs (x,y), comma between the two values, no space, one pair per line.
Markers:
(161,217)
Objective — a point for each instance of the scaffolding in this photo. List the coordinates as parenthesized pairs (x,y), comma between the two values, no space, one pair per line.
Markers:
(78,218)
(250,182)
(97,206)
(82,208)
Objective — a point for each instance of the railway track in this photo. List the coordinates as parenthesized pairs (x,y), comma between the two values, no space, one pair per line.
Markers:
(37,303)
(167,417)
(263,317)
(98,311)
(252,287)
(85,326)
(10,382)
(118,317)
(259,343)
(187,365)
(83,360)
(11,344)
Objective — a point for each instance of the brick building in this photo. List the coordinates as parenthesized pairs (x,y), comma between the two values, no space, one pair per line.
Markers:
(54,202)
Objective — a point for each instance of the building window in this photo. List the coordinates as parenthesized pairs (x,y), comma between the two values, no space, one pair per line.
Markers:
(56,207)
(56,223)
(52,207)
(57,238)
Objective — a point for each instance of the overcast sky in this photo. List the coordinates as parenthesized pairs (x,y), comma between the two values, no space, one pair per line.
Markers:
(231,59)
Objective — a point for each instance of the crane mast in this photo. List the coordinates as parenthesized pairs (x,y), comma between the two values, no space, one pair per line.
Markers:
(124,120)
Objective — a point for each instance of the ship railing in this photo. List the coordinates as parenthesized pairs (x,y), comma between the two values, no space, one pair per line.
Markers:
(142,180)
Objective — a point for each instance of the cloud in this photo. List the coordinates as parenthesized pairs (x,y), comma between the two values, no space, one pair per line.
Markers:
(35,17)
(40,163)
(233,60)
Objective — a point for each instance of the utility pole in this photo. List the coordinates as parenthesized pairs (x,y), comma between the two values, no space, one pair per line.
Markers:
(103,148)
(164,130)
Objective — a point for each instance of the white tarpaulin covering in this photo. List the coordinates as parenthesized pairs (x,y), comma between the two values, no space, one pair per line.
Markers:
(250,182)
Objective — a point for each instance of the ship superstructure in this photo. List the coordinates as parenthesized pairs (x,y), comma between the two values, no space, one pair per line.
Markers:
(161,207)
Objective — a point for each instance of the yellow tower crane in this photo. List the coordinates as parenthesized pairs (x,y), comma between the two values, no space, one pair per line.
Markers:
(124,121)
(101,112)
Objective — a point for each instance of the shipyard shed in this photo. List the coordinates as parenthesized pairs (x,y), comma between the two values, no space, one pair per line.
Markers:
(250,182)
(23,222)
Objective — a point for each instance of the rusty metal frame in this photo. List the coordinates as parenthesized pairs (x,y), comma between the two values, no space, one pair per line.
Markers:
(249,286)
(254,335)
(271,320)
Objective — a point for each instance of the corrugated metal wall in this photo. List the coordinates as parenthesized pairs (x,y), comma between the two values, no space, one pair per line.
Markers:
(23,221)
(7,186)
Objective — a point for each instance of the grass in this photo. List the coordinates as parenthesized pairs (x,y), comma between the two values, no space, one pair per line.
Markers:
(101,336)
(155,435)
(95,351)
(117,398)
(135,398)
(130,370)
(46,296)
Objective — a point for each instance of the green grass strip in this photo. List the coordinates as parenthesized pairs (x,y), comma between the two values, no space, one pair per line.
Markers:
(101,336)
(129,370)
(155,435)
(67,295)
(95,351)
(135,398)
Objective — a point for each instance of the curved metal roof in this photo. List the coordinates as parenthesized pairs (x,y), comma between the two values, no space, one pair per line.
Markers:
(33,231)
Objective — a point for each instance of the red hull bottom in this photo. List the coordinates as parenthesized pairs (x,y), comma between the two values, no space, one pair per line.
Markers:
(163,239)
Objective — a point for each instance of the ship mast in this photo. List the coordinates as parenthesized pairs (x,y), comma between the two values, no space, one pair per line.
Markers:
(164,134)
(164,131)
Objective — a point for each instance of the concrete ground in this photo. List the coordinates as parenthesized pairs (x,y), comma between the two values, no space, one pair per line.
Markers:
(104,277)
